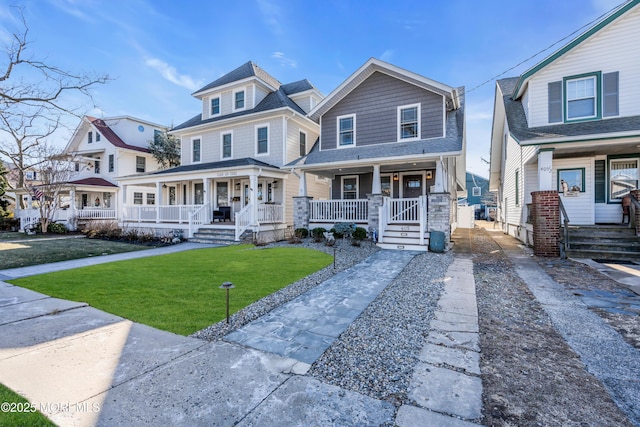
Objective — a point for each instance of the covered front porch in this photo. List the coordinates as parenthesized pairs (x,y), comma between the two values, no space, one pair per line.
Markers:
(249,198)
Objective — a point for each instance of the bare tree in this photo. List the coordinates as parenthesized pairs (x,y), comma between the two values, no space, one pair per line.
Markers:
(35,96)
(55,170)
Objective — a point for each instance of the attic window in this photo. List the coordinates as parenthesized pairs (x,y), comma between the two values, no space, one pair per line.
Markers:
(90,137)
(477,191)
(215,106)
(97,137)
(238,100)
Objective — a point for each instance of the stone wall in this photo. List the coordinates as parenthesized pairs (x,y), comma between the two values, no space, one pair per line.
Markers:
(375,201)
(301,212)
(439,208)
(546,223)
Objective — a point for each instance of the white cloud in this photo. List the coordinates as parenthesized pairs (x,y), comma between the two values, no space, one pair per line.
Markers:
(387,55)
(284,61)
(69,6)
(171,74)
(602,6)
(272,15)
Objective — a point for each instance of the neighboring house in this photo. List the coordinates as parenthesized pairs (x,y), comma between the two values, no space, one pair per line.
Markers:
(478,195)
(232,152)
(392,144)
(101,151)
(573,117)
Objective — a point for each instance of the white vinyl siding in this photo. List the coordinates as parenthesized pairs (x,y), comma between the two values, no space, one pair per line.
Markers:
(607,51)
(579,205)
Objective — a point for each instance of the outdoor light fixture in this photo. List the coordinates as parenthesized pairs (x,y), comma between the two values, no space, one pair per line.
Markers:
(227,286)
(237,186)
(395,176)
(274,184)
(164,185)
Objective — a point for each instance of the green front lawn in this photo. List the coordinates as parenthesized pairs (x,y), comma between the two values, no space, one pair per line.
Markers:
(16,411)
(180,292)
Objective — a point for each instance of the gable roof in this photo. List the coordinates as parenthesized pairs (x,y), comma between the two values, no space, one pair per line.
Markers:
(246,70)
(98,182)
(273,101)
(111,136)
(606,20)
(373,65)
(247,161)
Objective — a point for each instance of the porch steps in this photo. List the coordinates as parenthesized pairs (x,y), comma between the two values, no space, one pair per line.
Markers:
(603,242)
(404,237)
(219,236)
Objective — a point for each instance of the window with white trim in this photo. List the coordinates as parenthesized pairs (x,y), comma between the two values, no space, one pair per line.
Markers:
(215,106)
(409,122)
(581,98)
(476,192)
(303,143)
(96,166)
(90,137)
(151,199)
(262,140)
(238,100)
(137,198)
(97,137)
(112,163)
(623,177)
(141,164)
(350,187)
(346,130)
(227,152)
(195,150)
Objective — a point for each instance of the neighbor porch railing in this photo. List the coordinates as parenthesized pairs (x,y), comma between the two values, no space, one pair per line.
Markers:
(356,210)
(243,220)
(27,217)
(268,213)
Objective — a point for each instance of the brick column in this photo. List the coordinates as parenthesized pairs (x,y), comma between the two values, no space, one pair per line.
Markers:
(636,195)
(301,212)
(546,223)
(439,215)
(375,201)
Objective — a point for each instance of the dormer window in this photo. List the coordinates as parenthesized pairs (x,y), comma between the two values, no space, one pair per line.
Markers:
(238,100)
(215,106)
(97,137)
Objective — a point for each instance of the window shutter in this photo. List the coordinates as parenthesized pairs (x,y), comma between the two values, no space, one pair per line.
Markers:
(610,94)
(555,102)
(601,181)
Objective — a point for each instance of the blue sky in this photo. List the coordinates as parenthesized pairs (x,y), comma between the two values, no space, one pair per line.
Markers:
(160,51)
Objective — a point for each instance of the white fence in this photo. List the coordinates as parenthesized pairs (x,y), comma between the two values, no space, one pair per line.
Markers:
(356,210)
(403,210)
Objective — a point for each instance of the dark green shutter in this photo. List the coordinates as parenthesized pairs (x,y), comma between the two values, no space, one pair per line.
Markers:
(601,181)
(555,102)
(610,94)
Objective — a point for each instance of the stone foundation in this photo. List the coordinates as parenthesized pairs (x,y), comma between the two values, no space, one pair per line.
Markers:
(439,208)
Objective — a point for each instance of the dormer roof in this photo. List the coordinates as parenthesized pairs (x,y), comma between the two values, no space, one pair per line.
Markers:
(245,71)
(111,136)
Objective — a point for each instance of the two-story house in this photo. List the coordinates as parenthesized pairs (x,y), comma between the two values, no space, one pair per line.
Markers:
(567,132)
(102,150)
(392,143)
(230,177)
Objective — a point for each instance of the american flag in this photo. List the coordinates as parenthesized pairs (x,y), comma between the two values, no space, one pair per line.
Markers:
(36,193)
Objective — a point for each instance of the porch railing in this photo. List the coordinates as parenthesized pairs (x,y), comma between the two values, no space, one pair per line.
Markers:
(243,220)
(92,213)
(28,218)
(565,219)
(356,210)
(270,213)
(404,210)
(161,213)
(198,217)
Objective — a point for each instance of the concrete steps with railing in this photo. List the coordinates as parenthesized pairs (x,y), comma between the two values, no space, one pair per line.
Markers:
(603,242)
(404,237)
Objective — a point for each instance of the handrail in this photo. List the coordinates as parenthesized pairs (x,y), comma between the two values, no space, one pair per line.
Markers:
(563,211)
(383,218)
(424,217)
(243,220)
(197,217)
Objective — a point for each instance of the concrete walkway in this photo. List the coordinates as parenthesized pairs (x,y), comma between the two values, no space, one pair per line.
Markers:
(603,351)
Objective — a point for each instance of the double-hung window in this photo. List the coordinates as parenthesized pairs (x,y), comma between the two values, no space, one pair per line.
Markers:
(581,98)
(112,164)
(303,143)
(476,192)
(238,100)
(97,137)
(215,106)
(137,198)
(195,150)
(226,146)
(262,140)
(409,122)
(90,137)
(140,164)
(350,187)
(96,166)
(346,131)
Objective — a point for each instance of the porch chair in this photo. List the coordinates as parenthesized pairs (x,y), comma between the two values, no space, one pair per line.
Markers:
(626,209)
(222,214)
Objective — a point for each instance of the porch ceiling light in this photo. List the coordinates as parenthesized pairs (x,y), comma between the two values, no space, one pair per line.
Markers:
(274,184)
(237,186)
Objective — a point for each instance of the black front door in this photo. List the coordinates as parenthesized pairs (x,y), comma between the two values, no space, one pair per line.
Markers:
(411,186)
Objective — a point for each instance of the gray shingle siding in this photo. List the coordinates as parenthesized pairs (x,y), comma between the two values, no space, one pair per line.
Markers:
(375,103)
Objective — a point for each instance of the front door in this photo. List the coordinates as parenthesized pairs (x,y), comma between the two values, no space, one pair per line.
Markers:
(411,186)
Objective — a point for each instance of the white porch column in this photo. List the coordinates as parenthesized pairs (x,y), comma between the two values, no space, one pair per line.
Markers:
(440,178)
(302,190)
(206,187)
(158,200)
(375,186)
(123,197)
(253,198)
(72,202)
(545,168)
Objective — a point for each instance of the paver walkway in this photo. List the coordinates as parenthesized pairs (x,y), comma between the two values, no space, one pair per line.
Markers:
(305,327)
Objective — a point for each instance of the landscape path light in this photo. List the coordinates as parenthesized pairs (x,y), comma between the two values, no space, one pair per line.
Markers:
(227,286)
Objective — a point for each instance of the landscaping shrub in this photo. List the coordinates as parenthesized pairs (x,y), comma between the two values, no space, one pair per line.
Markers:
(343,229)
(57,228)
(9,224)
(318,234)
(359,233)
(302,233)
